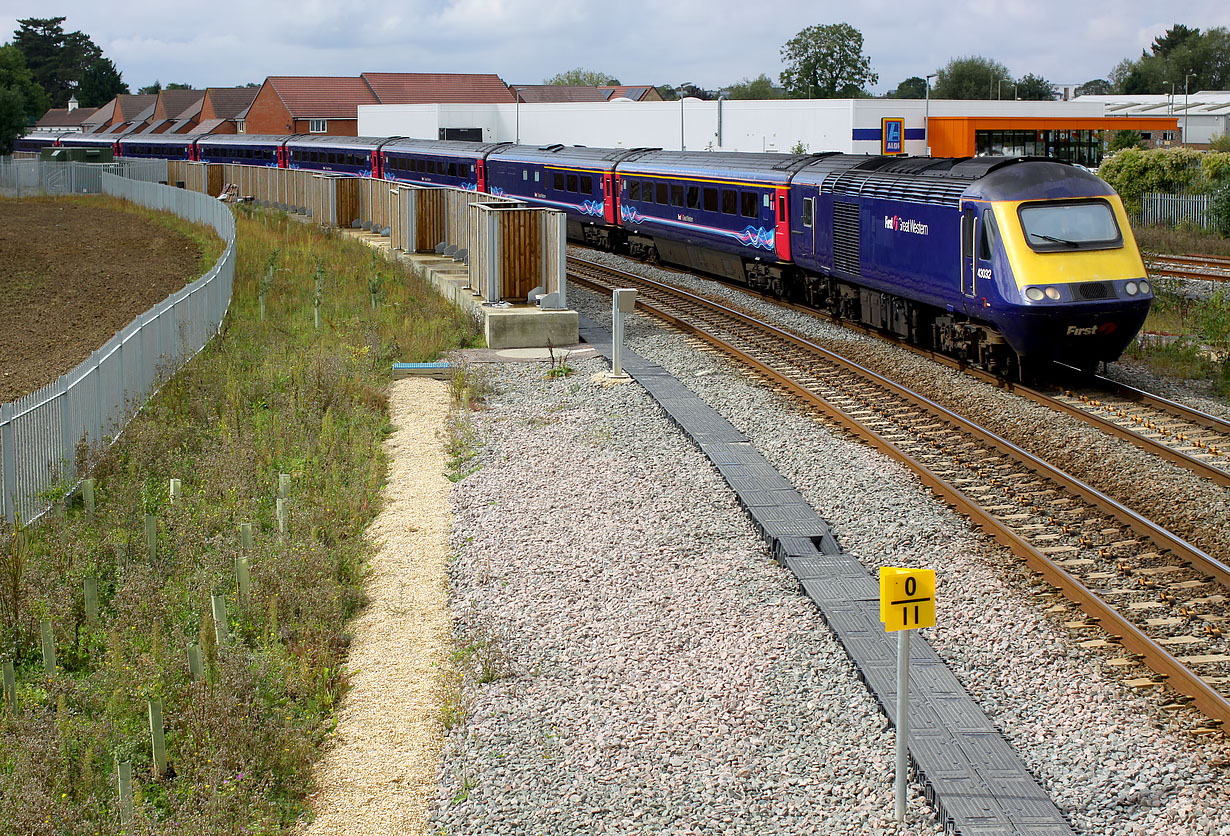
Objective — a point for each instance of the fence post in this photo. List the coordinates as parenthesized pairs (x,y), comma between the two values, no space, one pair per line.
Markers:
(8,451)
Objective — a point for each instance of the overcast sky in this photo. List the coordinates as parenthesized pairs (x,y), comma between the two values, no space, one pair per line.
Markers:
(711,43)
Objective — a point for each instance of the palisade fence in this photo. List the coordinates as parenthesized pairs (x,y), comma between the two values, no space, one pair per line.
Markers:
(1176,209)
(40,433)
(31,178)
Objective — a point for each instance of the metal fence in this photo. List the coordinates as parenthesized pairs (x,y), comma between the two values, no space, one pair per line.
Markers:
(1175,209)
(31,178)
(40,433)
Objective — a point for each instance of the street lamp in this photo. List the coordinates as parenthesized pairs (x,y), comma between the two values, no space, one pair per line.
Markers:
(927,115)
(1186,79)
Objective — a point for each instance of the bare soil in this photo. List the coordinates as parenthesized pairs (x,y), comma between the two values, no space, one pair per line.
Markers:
(72,275)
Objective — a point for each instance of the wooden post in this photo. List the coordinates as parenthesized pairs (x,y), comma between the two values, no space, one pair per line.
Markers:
(245,536)
(87,495)
(156,737)
(151,537)
(49,647)
(220,630)
(10,688)
(91,600)
(123,777)
(281,517)
(283,485)
(175,490)
(195,667)
(242,579)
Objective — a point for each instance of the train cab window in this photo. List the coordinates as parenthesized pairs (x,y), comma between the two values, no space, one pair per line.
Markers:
(730,202)
(634,189)
(663,194)
(986,237)
(557,181)
(587,185)
(452,169)
(967,234)
(748,205)
(676,195)
(808,211)
(1066,225)
(711,200)
(572,183)
(693,197)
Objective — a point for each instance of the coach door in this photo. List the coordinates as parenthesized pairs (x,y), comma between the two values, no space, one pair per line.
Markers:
(969,235)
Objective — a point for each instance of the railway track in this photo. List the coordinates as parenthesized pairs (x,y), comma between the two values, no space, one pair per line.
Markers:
(1162,600)
(1208,268)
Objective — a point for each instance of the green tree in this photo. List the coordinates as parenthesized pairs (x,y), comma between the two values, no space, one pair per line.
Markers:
(667,92)
(760,87)
(1095,87)
(57,59)
(912,88)
(1119,73)
(1182,57)
(100,83)
(1034,88)
(16,77)
(974,77)
(1173,37)
(687,89)
(177,86)
(150,89)
(12,118)
(1119,140)
(582,77)
(826,61)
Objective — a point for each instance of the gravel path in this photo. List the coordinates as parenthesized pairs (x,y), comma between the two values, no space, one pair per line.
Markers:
(661,675)
(378,774)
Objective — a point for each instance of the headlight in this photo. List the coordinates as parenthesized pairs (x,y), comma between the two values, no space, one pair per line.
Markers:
(1131,289)
(1052,293)
(1144,286)
(1033,294)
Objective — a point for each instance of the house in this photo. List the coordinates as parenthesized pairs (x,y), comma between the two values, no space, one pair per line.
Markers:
(65,119)
(539,93)
(168,108)
(119,111)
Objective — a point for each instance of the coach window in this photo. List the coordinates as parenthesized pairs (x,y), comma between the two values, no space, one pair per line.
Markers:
(537,176)
(557,181)
(676,195)
(634,189)
(420,165)
(663,194)
(711,200)
(452,169)
(730,202)
(525,176)
(463,170)
(747,205)
(587,185)
(693,197)
(572,183)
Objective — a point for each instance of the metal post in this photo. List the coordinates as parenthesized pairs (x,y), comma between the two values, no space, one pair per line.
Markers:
(493,260)
(927,115)
(903,716)
(1186,79)
(8,451)
(623,300)
(563,259)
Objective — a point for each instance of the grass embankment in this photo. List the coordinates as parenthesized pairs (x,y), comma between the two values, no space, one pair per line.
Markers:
(1202,326)
(263,398)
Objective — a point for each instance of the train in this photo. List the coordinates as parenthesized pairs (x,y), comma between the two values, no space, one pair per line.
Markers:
(1004,263)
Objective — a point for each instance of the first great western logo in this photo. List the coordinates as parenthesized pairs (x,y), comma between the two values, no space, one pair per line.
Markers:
(907,225)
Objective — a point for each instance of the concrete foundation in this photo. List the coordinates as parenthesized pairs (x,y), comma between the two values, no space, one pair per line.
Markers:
(514,326)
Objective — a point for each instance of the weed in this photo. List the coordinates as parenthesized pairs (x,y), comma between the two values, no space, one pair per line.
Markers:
(463,446)
(485,656)
(560,368)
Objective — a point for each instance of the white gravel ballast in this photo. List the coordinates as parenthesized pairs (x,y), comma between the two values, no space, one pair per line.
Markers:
(653,671)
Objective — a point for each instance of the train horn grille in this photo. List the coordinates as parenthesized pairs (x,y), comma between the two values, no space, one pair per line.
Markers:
(1095,290)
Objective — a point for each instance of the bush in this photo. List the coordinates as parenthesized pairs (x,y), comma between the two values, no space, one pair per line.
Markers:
(1221,211)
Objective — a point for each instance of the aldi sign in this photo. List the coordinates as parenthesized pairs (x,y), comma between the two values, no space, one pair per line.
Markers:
(892,135)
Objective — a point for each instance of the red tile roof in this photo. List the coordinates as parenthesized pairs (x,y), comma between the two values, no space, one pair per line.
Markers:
(171,103)
(322,97)
(63,118)
(433,88)
(128,107)
(229,102)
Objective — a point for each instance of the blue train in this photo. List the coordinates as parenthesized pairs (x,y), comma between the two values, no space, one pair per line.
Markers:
(1003,263)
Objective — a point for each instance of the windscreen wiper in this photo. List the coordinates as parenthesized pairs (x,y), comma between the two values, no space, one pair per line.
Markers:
(1054,239)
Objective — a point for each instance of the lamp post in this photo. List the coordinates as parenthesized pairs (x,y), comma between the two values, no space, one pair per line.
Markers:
(927,115)
(1186,79)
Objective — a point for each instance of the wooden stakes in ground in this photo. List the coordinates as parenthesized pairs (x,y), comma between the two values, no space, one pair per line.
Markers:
(49,647)
(87,495)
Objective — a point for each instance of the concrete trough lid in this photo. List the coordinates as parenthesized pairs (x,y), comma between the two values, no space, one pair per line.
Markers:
(440,370)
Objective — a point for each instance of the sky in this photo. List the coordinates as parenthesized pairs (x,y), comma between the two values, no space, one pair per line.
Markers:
(710,43)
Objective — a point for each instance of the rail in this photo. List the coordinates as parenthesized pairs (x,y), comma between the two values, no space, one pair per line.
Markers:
(40,433)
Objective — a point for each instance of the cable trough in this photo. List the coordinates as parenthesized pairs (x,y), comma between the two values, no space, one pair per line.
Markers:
(1162,599)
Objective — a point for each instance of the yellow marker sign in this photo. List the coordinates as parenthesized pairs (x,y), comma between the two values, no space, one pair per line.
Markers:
(907,598)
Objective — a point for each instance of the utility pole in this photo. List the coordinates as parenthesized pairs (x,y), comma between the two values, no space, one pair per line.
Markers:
(927,115)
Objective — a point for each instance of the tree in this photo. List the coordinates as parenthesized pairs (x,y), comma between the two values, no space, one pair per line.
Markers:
(1125,139)
(667,92)
(177,86)
(12,118)
(56,59)
(1182,57)
(1095,87)
(1119,73)
(100,83)
(17,78)
(826,62)
(672,93)
(150,89)
(1174,37)
(760,87)
(581,77)
(912,88)
(974,77)
(1034,88)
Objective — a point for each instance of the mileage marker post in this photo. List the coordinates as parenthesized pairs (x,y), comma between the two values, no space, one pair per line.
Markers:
(907,602)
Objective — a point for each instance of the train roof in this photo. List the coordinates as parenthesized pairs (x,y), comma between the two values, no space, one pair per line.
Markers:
(351,143)
(88,139)
(578,156)
(240,139)
(444,147)
(775,169)
(1038,179)
(156,139)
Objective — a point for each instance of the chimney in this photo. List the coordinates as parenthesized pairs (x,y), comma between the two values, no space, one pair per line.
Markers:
(72,103)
